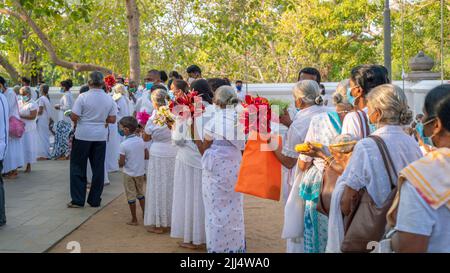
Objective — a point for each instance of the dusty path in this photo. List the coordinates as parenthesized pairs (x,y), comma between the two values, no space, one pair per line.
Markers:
(107,232)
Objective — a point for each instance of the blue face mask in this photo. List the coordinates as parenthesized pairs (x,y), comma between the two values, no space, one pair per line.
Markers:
(148,85)
(171,95)
(239,88)
(61,90)
(372,127)
(350,98)
(426,140)
(121,132)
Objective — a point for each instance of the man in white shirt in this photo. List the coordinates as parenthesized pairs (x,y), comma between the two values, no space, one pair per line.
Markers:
(4,125)
(91,113)
(240,92)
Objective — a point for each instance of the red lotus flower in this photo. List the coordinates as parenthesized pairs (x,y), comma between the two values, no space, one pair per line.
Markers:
(257,115)
(189,102)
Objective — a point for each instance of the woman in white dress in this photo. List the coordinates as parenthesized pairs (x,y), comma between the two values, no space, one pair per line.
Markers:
(114,138)
(305,94)
(160,171)
(221,150)
(61,149)
(388,110)
(43,124)
(14,150)
(323,129)
(28,110)
(188,211)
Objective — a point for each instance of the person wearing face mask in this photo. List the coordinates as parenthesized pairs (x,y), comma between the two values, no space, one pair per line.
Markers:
(420,214)
(194,72)
(362,80)
(61,149)
(152,80)
(240,91)
(28,110)
(14,153)
(388,110)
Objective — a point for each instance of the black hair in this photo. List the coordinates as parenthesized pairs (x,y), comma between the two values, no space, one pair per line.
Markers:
(193,68)
(45,88)
(67,84)
(164,76)
(238,81)
(215,83)
(25,80)
(84,89)
(155,72)
(129,122)
(310,71)
(175,75)
(2,81)
(369,76)
(158,86)
(434,99)
(443,112)
(182,85)
(203,89)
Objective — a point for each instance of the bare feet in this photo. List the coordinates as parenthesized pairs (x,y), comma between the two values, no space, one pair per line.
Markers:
(61,158)
(133,223)
(11,175)
(42,158)
(189,245)
(156,230)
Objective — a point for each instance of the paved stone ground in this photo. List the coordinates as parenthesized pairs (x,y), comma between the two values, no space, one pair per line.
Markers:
(36,211)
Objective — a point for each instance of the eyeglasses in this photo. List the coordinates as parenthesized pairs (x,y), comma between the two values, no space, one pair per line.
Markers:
(429,121)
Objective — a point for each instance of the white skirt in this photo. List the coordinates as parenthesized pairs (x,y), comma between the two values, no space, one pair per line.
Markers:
(43,143)
(30,147)
(113,149)
(14,155)
(159,192)
(188,211)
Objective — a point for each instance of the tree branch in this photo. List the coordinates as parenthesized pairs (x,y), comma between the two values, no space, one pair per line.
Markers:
(22,15)
(9,68)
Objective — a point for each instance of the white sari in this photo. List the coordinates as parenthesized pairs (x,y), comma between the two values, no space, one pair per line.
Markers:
(43,130)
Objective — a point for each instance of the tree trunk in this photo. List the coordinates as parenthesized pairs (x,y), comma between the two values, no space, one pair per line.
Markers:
(133,40)
(21,14)
(13,74)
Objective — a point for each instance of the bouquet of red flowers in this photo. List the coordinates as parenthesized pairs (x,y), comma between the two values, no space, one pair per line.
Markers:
(256,115)
(110,81)
(187,105)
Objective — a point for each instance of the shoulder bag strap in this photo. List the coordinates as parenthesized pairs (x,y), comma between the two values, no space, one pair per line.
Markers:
(387,160)
(362,124)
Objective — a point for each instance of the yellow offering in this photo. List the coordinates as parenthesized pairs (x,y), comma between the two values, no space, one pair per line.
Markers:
(304,147)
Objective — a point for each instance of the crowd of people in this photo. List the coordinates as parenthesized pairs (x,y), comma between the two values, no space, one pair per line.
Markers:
(183,173)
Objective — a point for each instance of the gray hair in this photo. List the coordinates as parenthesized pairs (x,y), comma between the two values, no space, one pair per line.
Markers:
(26,89)
(225,95)
(393,104)
(96,78)
(160,97)
(119,88)
(340,96)
(308,91)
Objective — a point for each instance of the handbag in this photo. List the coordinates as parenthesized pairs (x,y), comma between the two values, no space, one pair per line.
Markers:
(260,171)
(330,177)
(16,127)
(366,223)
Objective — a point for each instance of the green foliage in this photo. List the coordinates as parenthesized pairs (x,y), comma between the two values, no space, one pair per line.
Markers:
(252,40)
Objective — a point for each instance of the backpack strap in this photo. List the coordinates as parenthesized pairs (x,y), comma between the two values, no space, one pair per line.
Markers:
(387,160)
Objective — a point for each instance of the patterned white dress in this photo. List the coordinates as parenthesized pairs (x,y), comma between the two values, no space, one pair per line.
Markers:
(224,222)
(160,176)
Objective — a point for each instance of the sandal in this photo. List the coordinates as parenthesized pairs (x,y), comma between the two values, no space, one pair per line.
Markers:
(73,206)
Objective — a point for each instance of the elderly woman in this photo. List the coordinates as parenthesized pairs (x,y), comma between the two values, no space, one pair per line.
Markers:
(221,150)
(14,150)
(323,129)
(61,148)
(28,110)
(188,211)
(388,110)
(422,220)
(43,123)
(160,171)
(363,79)
(309,103)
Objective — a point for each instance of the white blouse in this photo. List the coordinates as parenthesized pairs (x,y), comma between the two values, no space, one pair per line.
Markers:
(366,168)
(352,125)
(66,103)
(161,139)
(25,109)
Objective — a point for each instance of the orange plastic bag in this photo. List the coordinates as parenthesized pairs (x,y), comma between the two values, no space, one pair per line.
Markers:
(260,171)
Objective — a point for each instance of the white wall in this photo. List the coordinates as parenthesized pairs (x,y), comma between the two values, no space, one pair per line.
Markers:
(415,91)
